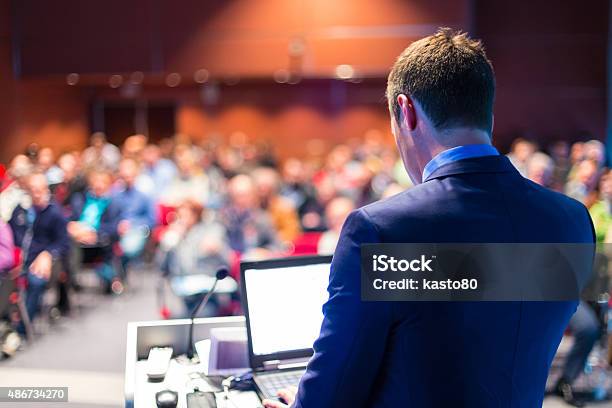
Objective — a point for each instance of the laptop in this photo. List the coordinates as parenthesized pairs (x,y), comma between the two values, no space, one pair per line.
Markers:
(282,301)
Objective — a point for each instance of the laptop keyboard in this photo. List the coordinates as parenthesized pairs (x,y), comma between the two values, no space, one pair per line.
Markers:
(270,384)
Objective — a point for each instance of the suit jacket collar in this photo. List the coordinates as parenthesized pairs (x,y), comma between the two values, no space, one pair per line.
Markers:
(486,164)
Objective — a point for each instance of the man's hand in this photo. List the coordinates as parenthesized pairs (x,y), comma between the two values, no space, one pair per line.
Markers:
(288,394)
(41,265)
(123,227)
(82,233)
(89,237)
(74,228)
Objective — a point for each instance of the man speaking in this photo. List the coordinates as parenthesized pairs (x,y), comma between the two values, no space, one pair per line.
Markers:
(442,354)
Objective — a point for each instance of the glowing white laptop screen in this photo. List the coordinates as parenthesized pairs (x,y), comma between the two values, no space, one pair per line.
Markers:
(285,306)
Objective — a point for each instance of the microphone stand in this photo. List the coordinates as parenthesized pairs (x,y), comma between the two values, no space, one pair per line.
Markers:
(220,275)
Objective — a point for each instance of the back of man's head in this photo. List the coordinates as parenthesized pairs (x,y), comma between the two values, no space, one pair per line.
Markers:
(450,76)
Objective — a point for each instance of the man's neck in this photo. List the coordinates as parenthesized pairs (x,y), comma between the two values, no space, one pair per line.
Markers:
(450,138)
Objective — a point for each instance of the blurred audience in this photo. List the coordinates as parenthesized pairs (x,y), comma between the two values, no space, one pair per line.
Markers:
(73,181)
(7,248)
(250,229)
(196,207)
(262,206)
(190,183)
(336,213)
(194,244)
(40,232)
(300,192)
(46,164)
(540,169)
(94,227)
(600,210)
(583,179)
(520,153)
(157,172)
(137,216)
(14,192)
(100,153)
(281,211)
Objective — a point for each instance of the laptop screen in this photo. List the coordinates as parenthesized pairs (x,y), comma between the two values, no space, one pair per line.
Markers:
(285,305)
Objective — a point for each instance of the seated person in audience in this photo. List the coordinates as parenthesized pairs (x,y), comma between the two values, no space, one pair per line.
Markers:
(585,329)
(559,152)
(7,248)
(133,146)
(593,150)
(585,326)
(216,179)
(596,151)
(360,179)
(314,219)
(250,230)
(137,215)
(189,184)
(193,245)
(302,194)
(101,153)
(576,154)
(157,172)
(94,225)
(15,193)
(520,153)
(336,168)
(46,164)
(72,182)
(540,168)
(40,232)
(280,210)
(601,210)
(582,180)
(229,161)
(335,213)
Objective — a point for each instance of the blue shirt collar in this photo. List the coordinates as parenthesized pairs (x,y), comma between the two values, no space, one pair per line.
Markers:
(458,153)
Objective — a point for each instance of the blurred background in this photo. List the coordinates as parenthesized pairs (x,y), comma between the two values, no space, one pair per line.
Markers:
(280,70)
(171,138)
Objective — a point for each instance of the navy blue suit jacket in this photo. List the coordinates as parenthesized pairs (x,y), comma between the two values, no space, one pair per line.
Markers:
(443,354)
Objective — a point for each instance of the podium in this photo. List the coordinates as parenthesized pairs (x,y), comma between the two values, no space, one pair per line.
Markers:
(141,336)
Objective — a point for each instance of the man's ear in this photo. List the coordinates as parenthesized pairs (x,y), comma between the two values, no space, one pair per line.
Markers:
(408,117)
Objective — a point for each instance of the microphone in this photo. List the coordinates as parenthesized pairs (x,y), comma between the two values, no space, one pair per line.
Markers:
(221,274)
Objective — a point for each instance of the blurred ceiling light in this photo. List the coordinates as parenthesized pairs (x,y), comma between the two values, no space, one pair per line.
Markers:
(137,77)
(115,81)
(281,76)
(173,79)
(72,79)
(344,71)
(130,90)
(201,76)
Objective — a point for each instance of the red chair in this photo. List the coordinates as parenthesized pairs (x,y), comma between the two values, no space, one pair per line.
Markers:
(165,215)
(306,244)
